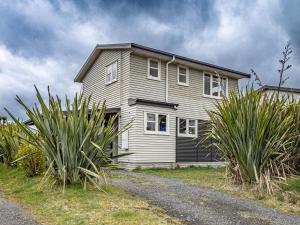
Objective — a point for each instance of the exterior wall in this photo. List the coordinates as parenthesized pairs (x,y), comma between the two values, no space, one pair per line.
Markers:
(159,148)
(188,149)
(143,87)
(190,98)
(94,81)
(192,103)
(152,148)
(116,94)
(295,96)
(127,112)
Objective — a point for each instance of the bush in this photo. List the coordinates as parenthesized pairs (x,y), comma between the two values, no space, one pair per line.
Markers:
(31,160)
(10,139)
(257,135)
(76,142)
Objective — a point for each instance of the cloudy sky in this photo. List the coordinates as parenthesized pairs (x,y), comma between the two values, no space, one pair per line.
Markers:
(46,42)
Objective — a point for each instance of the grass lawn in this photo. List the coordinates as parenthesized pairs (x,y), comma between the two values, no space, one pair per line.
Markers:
(77,206)
(287,200)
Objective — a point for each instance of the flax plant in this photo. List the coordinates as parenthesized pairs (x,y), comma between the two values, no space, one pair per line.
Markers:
(66,137)
(257,135)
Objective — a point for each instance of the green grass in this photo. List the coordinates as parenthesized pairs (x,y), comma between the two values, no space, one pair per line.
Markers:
(78,206)
(206,176)
(287,200)
(292,185)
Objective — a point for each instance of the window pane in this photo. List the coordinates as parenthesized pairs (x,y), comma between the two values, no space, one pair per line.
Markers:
(150,126)
(192,123)
(151,117)
(192,130)
(153,72)
(108,77)
(215,86)
(154,64)
(182,70)
(223,86)
(182,126)
(207,84)
(114,71)
(108,73)
(162,123)
(182,78)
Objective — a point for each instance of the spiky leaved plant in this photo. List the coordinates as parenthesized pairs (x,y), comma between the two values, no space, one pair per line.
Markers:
(66,137)
(257,136)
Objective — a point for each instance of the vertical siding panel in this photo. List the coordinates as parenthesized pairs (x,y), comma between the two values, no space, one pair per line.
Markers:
(188,149)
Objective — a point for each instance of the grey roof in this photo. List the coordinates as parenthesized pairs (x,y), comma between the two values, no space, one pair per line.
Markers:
(275,88)
(95,53)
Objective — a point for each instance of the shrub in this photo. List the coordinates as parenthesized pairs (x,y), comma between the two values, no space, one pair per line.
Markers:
(31,160)
(257,136)
(76,142)
(10,139)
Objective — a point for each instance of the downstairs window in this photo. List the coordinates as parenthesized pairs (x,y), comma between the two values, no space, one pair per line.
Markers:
(156,123)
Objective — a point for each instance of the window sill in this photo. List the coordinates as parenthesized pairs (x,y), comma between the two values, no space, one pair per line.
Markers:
(153,78)
(213,97)
(187,135)
(111,82)
(157,133)
(183,84)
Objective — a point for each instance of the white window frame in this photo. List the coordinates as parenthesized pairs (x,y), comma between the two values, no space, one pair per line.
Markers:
(106,68)
(211,85)
(187,128)
(156,131)
(187,75)
(159,69)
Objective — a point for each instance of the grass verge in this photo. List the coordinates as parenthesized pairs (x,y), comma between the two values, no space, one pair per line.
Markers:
(78,206)
(287,200)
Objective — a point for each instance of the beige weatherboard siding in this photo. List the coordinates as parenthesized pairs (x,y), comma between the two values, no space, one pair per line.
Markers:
(140,85)
(152,147)
(287,92)
(134,84)
(94,83)
(192,103)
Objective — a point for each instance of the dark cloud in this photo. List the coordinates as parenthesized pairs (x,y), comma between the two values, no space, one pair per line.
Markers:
(46,42)
(290,20)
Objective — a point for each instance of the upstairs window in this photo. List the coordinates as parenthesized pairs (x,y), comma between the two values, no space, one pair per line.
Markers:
(187,127)
(111,73)
(156,123)
(214,86)
(182,75)
(154,69)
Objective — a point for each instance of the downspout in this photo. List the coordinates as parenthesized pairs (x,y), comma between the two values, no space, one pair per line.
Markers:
(167,77)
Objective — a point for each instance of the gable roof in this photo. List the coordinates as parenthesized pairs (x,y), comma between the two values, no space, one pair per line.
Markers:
(275,88)
(142,50)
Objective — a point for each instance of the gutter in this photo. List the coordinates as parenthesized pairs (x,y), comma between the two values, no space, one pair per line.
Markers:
(167,77)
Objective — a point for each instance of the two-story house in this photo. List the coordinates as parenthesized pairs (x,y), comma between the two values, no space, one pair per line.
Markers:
(166,96)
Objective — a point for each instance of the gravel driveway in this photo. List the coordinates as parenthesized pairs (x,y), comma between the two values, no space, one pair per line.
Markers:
(199,205)
(12,214)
